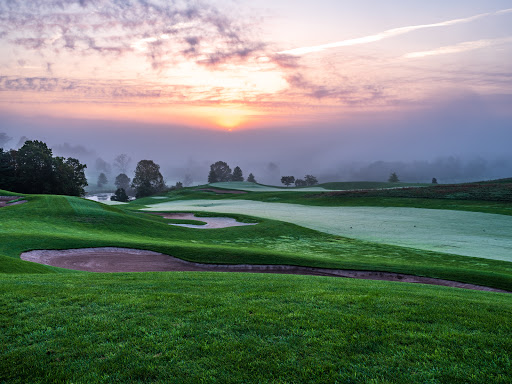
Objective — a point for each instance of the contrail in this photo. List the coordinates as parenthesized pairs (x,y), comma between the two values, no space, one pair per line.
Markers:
(457,48)
(387,34)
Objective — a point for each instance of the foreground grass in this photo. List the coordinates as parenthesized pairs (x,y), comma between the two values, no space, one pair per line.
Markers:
(232,328)
(57,222)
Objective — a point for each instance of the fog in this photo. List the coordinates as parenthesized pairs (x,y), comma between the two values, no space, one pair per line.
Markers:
(456,142)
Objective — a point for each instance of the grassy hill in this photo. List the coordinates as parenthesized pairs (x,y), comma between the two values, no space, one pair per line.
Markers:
(66,326)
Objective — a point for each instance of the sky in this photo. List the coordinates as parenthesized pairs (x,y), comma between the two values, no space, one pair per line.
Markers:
(329,87)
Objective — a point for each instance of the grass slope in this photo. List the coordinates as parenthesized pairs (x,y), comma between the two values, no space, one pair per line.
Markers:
(58,222)
(232,328)
(335,186)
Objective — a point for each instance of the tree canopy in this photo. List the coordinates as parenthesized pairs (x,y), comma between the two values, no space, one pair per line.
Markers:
(251,178)
(33,169)
(148,180)
(237,174)
(220,172)
(287,180)
(122,182)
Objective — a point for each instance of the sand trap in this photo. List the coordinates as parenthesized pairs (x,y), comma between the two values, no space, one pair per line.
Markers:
(134,260)
(5,201)
(211,222)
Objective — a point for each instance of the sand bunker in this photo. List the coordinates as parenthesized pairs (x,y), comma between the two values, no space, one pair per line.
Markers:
(211,222)
(5,201)
(134,260)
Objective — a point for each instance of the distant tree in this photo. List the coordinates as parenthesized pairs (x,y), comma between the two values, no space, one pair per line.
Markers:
(220,172)
(212,176)
(237,174)
(187,181)
(121,162)
(103,166)
(179,185)
(102,180)
(251,178)
(434,180)
(310,180)
(393,178)
(122,182)
(287,180)
(4,139)
(148,180)
(120,195)
(22,141)
(300,183)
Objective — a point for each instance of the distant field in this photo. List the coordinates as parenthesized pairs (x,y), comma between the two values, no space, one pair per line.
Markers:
(462,233)
(339,186)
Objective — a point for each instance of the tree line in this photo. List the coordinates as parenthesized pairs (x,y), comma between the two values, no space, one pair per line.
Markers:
(33,169)
(221,172)
(308,181)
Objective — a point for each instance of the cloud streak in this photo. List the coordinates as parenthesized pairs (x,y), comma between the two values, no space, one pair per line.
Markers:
(388,34)
(459,48)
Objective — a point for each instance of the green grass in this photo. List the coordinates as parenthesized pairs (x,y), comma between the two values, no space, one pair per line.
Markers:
(57,222)
(233,328)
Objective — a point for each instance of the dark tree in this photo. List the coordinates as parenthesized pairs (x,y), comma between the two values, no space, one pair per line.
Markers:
(310,180)
(300,183)
(393,178)
(220,171)
(434,180)
(122,162)
(102,180)
(237,174)
(251,178)
(179,185)
(287,180)
(120,195)
(33,169)
(122,182)
(8,170)
(212,177)
(4,139)
(148,180)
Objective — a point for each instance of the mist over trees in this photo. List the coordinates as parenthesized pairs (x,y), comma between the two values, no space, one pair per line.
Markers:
(148,180)
(121,163)
(4,139)
(102,180)
(33,169)
(122,182)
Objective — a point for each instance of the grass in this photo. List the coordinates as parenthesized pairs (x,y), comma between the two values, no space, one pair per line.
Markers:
(232,328)
(462,233)
(58,222)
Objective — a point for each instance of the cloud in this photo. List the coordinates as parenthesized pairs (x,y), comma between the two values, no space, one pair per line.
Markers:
(387,34)
(458,48)
(160,30)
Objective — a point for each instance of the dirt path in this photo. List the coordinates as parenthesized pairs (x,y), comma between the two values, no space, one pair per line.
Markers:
(211,222)
(133,260)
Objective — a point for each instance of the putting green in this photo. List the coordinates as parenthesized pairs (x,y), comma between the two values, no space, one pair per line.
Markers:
(457,232)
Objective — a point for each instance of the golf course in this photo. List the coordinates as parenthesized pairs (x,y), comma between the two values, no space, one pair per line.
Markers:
(309,301)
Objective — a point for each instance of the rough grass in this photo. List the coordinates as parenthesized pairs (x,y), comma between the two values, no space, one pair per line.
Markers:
(233,328)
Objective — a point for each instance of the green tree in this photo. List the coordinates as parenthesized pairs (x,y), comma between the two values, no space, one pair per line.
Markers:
(393,178)
(148,180)
(220,172)
(237,174)
(102,180)
(251,178)
(300,183)
(287,180)
(69,177)
(120,195)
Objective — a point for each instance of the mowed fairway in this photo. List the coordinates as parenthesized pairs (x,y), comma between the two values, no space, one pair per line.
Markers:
(457,232)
